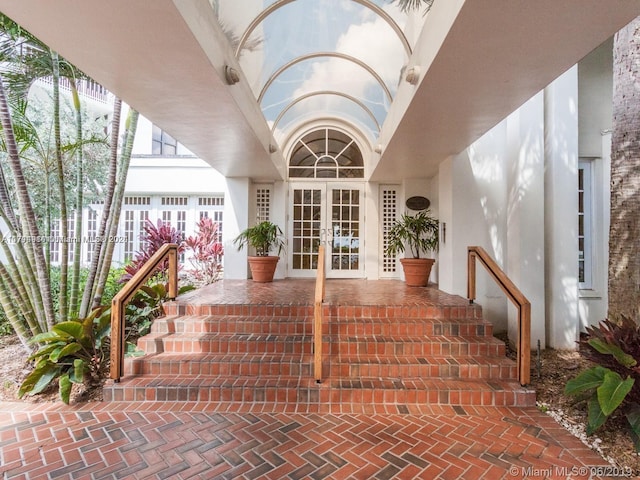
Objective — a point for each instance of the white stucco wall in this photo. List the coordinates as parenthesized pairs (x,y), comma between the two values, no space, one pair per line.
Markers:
(472,205)
(236,219)
(561,210)
(492,195)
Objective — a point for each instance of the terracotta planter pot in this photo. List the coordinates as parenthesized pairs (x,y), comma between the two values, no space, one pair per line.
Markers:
(417,271)
(263,268)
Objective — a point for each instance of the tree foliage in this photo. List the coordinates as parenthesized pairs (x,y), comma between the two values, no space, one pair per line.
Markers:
(46,140)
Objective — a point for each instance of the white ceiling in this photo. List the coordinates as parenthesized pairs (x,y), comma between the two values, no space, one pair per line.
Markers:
(479,61)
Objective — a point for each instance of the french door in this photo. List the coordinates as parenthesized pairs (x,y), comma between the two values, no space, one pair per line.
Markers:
(331,214)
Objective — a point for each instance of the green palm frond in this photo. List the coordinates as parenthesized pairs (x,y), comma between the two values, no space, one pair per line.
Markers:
(408,5)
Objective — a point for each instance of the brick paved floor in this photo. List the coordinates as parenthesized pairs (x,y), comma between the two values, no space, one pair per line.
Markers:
(156,440)
(108,441)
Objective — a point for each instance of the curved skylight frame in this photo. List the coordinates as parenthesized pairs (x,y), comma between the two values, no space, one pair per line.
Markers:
(281,3)
(365,97)
(325,92)
(339,55)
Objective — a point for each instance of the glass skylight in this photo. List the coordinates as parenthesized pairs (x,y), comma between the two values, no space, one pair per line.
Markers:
(309,60)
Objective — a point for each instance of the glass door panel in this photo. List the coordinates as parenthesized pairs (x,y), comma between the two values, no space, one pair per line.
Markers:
(307,213)
(345,231)
(329,214)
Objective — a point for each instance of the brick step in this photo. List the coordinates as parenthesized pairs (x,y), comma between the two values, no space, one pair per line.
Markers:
(342,366)
(228,324)
(441,311)
(270,390)
(413,327)
(415,346)
(207,364)
(472,367)
(212,343)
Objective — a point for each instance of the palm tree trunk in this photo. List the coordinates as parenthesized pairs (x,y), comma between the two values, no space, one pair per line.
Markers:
(99,246)
(23,297)
(77,246)
(125,158)
(10,312)
(27,215)
(624,232)
(64,219)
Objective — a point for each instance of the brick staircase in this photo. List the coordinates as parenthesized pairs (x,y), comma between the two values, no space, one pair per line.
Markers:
(391,358)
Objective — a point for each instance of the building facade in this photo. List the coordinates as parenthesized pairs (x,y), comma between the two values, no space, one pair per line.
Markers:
(325,117)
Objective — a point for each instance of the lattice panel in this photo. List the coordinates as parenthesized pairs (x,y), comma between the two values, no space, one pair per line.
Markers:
(263,204)
(389,213)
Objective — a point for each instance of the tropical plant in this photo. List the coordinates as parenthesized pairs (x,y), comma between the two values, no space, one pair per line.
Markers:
(74,351)
(612,383)
(264,237)
(419,233)
(207,251)
(153,237)
(25,285)
(146,306)
(408,5)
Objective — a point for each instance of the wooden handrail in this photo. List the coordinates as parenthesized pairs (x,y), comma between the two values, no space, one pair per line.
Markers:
(515,295)
(318,317)
(119,302)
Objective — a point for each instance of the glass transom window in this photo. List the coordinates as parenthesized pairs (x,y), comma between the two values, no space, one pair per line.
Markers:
(326,153)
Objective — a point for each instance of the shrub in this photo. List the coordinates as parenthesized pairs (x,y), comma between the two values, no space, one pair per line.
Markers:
(612,383)
(144,307)
(74,351)
(207,252)
(154,237)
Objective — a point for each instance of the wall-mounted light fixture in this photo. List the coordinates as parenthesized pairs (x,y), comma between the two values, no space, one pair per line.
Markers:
(413,75)
(378,148)
(231,75)
(272,148)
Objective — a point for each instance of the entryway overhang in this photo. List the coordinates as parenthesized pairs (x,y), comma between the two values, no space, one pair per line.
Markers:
(481,60)
(478,60)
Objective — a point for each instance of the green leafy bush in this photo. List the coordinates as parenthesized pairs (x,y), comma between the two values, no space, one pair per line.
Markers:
(144,307)
(75,351)
(612,383)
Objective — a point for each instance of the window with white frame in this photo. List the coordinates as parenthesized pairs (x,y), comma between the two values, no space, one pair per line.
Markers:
(162,143)
(211,207)
(585,224)
(135,212)
(58,237)
(92,232)
(54,246)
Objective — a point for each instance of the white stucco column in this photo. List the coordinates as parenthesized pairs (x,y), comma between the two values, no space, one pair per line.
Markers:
(561,210)
(236,219)
(279,217)
(448,268)
(525,216)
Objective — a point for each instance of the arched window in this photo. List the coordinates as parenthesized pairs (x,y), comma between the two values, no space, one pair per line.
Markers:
(326,153)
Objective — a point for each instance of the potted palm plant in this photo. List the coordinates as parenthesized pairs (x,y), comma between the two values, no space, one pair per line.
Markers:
(264,238)
(419,234)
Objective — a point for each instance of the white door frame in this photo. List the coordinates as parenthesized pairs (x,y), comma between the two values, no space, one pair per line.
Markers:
(314,218)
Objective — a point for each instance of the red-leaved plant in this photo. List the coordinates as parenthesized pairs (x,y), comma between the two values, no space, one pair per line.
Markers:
(207,252)
(154,236)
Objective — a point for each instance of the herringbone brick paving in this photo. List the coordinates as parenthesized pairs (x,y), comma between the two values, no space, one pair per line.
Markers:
(224,406)
(96,441)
